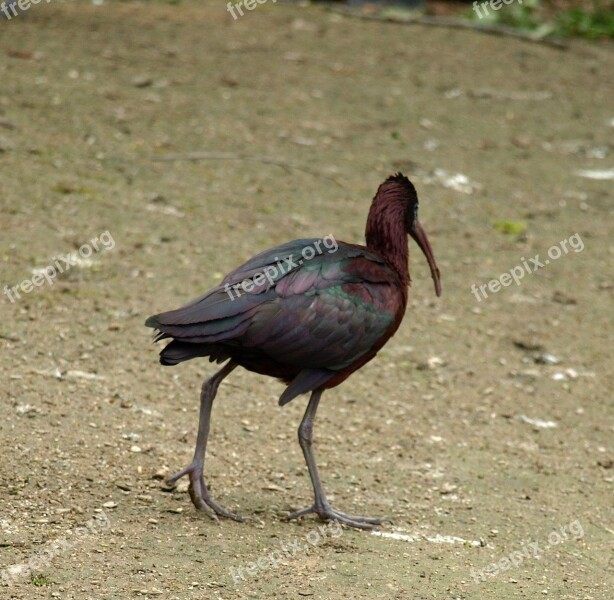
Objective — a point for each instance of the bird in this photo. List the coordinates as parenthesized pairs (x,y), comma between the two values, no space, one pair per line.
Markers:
(310,313)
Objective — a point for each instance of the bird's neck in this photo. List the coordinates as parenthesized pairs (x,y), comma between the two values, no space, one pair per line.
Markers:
(385,235)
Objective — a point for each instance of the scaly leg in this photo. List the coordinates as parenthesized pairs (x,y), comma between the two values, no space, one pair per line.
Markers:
(198,488)
(321,507)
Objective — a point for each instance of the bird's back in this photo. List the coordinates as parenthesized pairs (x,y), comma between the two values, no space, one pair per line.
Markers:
(289,310)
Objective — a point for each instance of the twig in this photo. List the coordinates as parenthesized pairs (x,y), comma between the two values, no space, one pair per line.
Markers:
(432,21)
(267,160)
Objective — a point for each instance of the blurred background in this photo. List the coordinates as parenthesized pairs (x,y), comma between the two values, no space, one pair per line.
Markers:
(193,139)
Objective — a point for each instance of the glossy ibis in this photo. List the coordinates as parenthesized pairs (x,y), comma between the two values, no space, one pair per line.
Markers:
(308,318)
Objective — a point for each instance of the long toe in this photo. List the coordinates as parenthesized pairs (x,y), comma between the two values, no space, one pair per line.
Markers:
(175,477)
(220,510)
(327,513)
(300,513)
(357,522)
(196,494)
(199,493)
(361,519)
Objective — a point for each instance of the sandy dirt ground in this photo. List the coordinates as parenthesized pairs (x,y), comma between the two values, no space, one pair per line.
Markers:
(484,428)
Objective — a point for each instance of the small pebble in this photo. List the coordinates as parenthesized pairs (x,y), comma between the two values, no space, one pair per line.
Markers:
(161,473)
(182,486)
(545,358)
(142,81)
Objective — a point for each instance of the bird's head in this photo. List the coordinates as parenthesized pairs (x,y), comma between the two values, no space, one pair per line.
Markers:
(397,196)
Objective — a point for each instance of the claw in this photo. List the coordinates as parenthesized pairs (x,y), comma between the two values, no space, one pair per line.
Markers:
(326,513)
(199,493)
(173,479)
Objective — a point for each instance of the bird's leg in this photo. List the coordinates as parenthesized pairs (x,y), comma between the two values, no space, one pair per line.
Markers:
(198,488)
(321,507)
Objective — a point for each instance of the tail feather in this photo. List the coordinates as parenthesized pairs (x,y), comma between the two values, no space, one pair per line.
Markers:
(177,352)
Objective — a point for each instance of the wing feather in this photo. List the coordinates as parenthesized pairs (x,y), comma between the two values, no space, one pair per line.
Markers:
(320,315)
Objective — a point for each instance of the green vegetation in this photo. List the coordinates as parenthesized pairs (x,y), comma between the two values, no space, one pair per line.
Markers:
(594,23)
(579,22)
(41,580)
(510,227)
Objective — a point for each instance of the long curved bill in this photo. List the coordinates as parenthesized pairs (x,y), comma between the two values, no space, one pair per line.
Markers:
(422,240)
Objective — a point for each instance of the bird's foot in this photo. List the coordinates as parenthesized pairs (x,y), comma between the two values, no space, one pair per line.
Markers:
(327,513)
(200,494)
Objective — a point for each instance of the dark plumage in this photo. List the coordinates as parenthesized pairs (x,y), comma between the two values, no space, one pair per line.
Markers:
(310,318)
